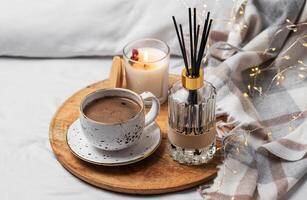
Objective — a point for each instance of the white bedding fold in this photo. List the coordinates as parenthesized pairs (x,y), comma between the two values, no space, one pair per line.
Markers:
(61,28)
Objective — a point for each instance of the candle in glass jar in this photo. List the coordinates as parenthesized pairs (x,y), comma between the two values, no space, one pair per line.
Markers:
(147,70)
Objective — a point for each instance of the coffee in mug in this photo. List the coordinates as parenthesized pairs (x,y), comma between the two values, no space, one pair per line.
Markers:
(112,109)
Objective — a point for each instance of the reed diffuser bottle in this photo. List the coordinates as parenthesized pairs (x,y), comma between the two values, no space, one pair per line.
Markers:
(191,114)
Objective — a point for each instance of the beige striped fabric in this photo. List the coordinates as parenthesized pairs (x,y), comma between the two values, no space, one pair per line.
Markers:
(262,88)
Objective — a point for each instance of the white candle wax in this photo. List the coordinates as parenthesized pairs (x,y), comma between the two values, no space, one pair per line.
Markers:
(149,74)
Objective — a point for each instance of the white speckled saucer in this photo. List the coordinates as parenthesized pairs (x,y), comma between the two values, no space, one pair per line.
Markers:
(80,147)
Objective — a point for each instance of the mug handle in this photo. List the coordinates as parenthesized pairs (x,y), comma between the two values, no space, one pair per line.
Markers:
(155,107)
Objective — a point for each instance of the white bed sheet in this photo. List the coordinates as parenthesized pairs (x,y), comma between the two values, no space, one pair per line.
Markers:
(31,90)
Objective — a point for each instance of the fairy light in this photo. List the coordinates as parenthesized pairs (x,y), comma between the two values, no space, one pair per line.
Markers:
(255,71)
(258,89)
(286,57)
(245,142)
(291,26)
(301,76)
(290,128)
(293,118)
(269,135)
(302,63)
(294,30)
(302,68)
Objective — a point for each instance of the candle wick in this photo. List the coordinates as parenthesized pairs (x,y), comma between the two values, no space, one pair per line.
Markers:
(145,56)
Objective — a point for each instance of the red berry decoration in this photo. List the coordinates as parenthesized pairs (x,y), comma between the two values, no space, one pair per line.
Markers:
(135,55)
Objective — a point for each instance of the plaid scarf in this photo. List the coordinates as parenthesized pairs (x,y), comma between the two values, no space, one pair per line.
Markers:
(263,91)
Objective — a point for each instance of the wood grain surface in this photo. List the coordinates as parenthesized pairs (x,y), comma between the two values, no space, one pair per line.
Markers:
(154,175)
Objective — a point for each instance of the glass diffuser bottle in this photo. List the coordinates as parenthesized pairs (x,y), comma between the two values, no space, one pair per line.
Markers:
(191,120)
(191,101)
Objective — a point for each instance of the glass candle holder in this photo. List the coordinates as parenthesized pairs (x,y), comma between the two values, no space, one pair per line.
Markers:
(146,63)
(192,134)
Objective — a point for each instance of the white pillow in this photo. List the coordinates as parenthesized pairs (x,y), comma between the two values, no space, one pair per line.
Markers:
(63,28)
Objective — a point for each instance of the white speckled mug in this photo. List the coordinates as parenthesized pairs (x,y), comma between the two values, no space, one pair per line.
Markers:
(119,135)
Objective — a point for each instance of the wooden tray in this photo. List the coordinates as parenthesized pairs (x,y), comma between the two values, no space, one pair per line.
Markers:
(155,175)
